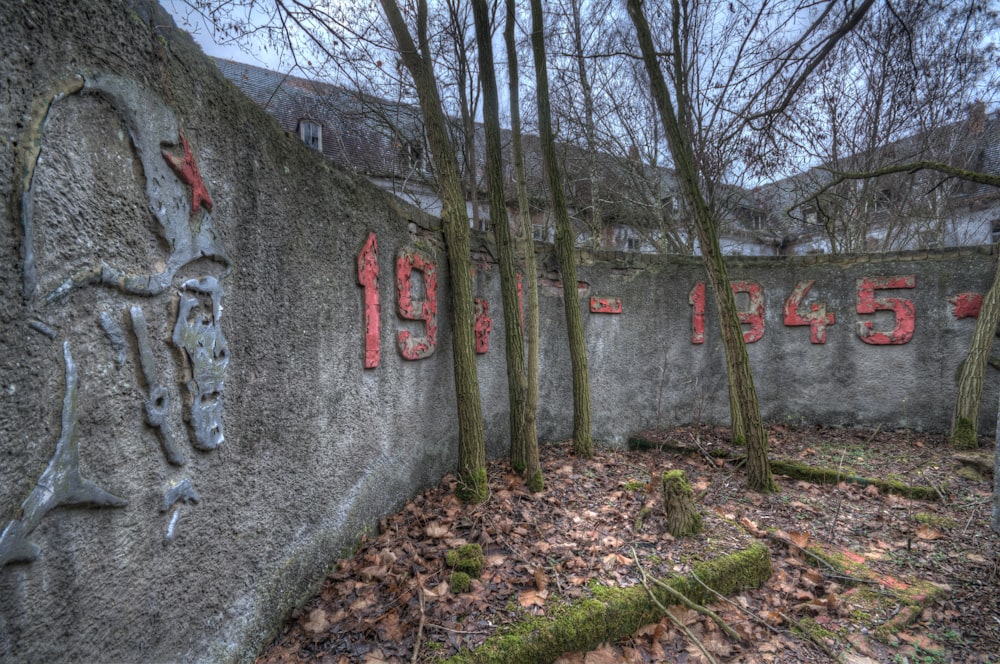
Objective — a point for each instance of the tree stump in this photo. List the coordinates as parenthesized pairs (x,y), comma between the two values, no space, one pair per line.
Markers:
(683,517)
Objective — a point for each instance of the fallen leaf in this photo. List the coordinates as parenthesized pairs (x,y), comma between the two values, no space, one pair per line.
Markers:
(871,491)
(436,530)
(798,538)
(541,580)
(529,598)
(439,590)
(375,657)
(316,623)
(928,533)
(605,654)
(848,657)
(373,572)
(751,527)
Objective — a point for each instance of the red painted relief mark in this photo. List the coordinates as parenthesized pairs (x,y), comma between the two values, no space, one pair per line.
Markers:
(484,325)
(605,305)
(967,305)
(903,310)
(755,316)
(368,278)
(816,318)
(696,298)
(187,171)
(416,347)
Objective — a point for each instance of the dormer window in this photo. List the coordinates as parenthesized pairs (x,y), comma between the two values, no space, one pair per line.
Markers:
(311,134)
(415,156)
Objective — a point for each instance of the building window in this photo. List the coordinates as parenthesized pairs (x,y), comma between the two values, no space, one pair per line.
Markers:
(883,200)
(540,233)
(810,216)
(311,134)
(415,155)
(754,219)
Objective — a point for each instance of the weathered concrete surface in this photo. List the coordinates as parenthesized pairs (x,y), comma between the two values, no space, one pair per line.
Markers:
(315,447)
(187,548)
(646,372)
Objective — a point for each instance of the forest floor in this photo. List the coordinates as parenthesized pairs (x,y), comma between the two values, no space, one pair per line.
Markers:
(391,601)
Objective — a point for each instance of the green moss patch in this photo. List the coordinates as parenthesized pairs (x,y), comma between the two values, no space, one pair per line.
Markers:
(460,582)
(467,559)
(615,613)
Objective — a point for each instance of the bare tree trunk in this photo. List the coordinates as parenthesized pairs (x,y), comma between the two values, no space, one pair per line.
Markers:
(965,420)
(471,439)
(743,391)
(517,382)
(583,444)
(525,457)
(589,128)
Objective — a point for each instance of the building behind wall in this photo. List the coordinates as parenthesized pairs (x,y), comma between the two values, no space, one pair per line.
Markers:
(642,209)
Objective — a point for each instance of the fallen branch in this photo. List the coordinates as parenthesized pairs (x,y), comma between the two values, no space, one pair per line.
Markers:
(833,572)
(420,629)
(753,616)
(681,626)
(688,603)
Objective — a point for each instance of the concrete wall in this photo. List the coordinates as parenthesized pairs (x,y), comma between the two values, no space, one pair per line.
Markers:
(188,433)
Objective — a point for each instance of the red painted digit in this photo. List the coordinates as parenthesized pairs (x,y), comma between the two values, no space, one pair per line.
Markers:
(483,325)
(416,347)
(967,305)
(368,278)
(697,300)
(755,316)
(605,305)
(817,319)
(903,309)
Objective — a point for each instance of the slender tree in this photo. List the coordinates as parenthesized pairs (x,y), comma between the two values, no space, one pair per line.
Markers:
(525,456)
(471,441)
(737,360)
(565,250)
(965,420)
(517,381)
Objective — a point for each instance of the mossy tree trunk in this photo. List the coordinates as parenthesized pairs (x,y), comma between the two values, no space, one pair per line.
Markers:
(517,380)
(525,457)
(965,419)
(471,439)
(745,407)
(583,444)
(683,517)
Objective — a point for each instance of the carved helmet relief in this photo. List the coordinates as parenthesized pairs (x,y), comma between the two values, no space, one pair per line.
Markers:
(179,268)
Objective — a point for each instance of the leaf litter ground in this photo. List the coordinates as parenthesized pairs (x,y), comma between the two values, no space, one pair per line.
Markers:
(550,547)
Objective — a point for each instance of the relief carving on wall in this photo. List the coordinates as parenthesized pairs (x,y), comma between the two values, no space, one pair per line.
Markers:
(186,230)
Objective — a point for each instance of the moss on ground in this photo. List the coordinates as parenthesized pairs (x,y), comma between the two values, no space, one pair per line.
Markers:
(614,613)
(460,582)
(467,559)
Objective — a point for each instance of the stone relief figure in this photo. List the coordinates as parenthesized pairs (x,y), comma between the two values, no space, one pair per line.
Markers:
(188,279)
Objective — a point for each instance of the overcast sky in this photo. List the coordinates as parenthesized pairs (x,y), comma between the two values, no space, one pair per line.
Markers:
(192,22)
